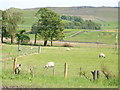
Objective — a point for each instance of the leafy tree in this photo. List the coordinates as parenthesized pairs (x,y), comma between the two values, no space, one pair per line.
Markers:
(22,37)
(12,19)
(50,25)
(4,28)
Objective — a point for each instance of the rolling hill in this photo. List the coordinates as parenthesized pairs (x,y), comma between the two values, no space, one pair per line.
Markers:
(107,16)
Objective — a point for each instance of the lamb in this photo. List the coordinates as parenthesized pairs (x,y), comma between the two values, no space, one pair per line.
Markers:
(101,55)
(49,65)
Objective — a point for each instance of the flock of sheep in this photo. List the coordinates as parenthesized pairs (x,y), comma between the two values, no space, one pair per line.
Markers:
(51,64)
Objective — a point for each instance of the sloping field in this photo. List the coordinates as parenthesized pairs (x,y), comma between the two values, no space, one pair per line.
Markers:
(92,36)
(101,14)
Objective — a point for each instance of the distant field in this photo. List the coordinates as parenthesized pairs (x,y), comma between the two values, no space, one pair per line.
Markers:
(98,14)
(85,57)
(92,36)
(108,17)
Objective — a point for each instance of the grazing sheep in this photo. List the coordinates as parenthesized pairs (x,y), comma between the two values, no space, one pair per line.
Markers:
(67,49)
(101,55)
(18,69)
(31,48)
(49,65)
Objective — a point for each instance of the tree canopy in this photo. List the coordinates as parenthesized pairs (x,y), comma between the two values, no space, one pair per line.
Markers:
(49,25)
(10,21)
(76,22)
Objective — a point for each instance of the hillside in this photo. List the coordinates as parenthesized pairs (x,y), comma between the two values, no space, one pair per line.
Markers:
(95,13)
(107,16)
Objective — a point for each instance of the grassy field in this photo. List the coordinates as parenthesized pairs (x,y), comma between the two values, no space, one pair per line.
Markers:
(85,57)
(92,36)
(86,36)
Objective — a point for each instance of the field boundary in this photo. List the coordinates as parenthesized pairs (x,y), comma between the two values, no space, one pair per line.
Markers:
(10,58)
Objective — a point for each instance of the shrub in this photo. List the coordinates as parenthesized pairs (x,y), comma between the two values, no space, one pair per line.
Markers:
(67,45)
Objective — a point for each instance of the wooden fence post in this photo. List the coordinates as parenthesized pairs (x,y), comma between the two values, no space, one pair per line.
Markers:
(65,70)
(80,73)
(38,49)
(14,64)
(98,74)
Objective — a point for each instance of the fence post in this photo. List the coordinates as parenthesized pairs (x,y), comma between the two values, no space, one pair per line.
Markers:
(98,74)
(14,64)
(65,70)
(38,49)
(80,73)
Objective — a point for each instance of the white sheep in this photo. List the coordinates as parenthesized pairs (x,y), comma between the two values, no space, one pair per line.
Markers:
(101,55)
(67,49)
(49,65)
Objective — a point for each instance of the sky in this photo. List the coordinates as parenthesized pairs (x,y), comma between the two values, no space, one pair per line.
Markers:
(5,4)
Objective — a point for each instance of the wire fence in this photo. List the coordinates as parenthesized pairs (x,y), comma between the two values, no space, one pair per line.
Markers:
(11,51)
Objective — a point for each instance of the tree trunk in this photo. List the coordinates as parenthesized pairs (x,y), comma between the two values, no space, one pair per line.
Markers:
(45,42)
(12,39)
(51,42)
(35,39)
(2,39)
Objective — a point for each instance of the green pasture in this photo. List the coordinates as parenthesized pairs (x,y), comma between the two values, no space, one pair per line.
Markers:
(92,36)
(12,50)
(109,25)
(85,57)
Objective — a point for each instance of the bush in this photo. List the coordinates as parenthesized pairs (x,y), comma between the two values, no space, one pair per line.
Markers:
(67,45)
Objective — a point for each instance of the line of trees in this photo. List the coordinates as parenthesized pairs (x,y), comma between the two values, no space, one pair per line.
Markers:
(49,25)
(75,22)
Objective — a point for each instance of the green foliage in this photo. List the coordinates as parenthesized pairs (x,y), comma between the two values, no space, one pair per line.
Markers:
(22,37)
(75,22)
(5,32)
(11,19)
(72,18)
(49,25)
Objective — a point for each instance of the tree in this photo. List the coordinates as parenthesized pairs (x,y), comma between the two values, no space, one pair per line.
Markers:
(12,19)
(22,37)
(49,25)
(34,30)
(4,28)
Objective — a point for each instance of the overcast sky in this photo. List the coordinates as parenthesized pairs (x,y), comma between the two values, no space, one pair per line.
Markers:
(5,4)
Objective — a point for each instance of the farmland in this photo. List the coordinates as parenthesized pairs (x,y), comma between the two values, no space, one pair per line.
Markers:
(85,57)
(104,15)
(80,48)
